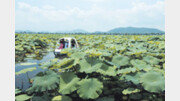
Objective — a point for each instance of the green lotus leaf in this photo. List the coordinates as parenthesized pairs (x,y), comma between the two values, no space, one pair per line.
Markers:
(89,88)
(159,70)
(163,65)
(126,70)
(93,53)
(107,70)
(66,51)
(78,55)
(65,63)
(17,91)
(139,64)
(106,99)
(61,98)
(120,60)
(136,51)
(153,81)
(130,91)
(49,63)
(120,48)
(23,97)
(89,65)
(162,45)
(68,82)
(19,48)
(25,70)
(147,68)
(151,60)
(134,78)
(106,53)
(26,64)
(44,81)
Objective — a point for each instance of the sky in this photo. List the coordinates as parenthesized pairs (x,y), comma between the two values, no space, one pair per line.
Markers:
(89,15)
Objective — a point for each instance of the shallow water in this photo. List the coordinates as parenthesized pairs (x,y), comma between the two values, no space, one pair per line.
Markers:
(22,80)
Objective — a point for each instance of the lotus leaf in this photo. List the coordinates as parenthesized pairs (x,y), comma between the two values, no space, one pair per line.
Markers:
(78,55)
(48,64)
(120,48)
(22,97)
(163,65)
(147,68)
(89,65)
(105,53)
(25,70)
(89,88)
(133,78)
(127,70)
(135,51)
(19,48)
(153,81)
(139,64)
(151,60)
(67,51)
(65,63)
(130,91)
(26,64)
(162,45)
(44,81)
(17,91)
(93,53)
(107,70)
(61,98)
(68,82)
(120,60)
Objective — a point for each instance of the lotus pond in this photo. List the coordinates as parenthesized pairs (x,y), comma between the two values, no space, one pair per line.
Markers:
(104,68)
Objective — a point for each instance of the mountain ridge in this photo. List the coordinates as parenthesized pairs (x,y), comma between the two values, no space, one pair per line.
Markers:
(135,30)
(130,30)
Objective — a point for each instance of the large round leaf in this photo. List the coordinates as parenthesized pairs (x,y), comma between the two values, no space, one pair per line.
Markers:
(68,82)
(22,97)
(139,64)
(44,81)
(151,60)
(89,88)
(120,60)
(78,55)
(107,70)
(17,91)
(89,65)
(153,81)
(134,78)
(65,63)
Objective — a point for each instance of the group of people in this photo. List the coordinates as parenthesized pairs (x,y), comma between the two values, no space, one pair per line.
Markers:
(64,44)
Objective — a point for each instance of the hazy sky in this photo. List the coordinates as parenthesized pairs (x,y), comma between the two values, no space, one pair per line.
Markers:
(90,15)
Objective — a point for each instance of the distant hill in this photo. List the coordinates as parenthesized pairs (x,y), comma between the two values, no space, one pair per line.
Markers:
(115,31)
(134,30)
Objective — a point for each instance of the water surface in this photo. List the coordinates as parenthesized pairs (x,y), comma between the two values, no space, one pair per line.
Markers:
(22,80)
